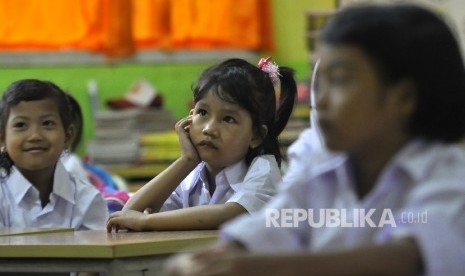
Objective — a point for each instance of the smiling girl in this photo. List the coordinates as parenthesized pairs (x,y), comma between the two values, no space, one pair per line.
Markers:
(35,189)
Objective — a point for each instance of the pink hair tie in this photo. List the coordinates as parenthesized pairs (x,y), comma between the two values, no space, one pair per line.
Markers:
(271,68)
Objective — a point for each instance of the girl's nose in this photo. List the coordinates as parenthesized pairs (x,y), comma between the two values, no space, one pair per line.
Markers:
(320,97)
(35,134)
(210,129)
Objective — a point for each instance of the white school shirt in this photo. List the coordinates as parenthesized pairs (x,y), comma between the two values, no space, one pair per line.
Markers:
(251,187)
(73,203)
(74,165)
(309,142)
(423,187)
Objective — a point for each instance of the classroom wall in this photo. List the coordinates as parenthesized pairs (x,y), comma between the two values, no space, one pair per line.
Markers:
(173,81)
(289,25)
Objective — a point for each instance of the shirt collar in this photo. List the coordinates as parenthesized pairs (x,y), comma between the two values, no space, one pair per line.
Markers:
(62,185)
(414,159)
(230,175)
(235,174)
(18,185)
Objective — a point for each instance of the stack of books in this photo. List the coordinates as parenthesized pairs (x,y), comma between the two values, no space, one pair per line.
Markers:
(118,134)
(160,147)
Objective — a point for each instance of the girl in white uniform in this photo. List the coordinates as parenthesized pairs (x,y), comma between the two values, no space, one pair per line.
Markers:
(35,189)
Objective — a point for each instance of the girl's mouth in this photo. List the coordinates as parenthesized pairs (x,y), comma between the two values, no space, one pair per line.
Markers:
(35,149)
(205,143)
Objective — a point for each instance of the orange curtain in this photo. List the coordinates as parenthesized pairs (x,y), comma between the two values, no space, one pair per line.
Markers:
(243,24)
(151,28)
(118,28)
(48,24)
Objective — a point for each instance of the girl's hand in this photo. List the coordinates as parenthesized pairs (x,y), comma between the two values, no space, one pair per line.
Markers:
(188,150)
(214,260)
(127,219)
(223,265)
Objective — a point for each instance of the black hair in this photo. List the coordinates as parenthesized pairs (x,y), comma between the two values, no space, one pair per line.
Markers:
(77,122)
(237,81)
(408,42)
(31,90)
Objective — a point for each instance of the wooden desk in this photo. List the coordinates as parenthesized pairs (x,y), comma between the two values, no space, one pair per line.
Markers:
(16,231)
(123,253)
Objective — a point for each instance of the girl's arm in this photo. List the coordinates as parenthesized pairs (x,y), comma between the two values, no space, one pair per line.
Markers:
(192,218)
(156,191)
(153,194)
(400,258)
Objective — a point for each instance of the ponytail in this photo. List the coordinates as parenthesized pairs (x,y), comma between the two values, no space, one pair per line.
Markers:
(287,94)
(285,90)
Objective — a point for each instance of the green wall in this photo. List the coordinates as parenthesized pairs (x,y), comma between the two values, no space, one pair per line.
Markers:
(289,27)
(173,81)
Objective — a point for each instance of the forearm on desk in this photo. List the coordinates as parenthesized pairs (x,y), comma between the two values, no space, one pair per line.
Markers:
(401,258)
(156,191)
(193,218)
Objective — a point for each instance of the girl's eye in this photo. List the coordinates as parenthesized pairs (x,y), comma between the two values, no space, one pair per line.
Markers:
(19,125)
(229,119)
(49,123)
(338,78)
(201,112)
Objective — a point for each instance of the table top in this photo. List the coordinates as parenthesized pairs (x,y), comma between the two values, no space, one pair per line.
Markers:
(13,231)
(100,244)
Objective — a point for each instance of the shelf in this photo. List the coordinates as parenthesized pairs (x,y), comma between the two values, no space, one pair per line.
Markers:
(315,20)
(138,171)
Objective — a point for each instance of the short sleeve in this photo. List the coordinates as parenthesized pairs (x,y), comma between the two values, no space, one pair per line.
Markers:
(437,225)
(3,208)
(443,242)
(180,197)
(258,231)
(259,185)
(93,208)
(173,202)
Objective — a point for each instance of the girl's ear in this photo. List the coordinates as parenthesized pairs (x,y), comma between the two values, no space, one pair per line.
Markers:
(258,137)
(70,134)
(404,99)
(2,141)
